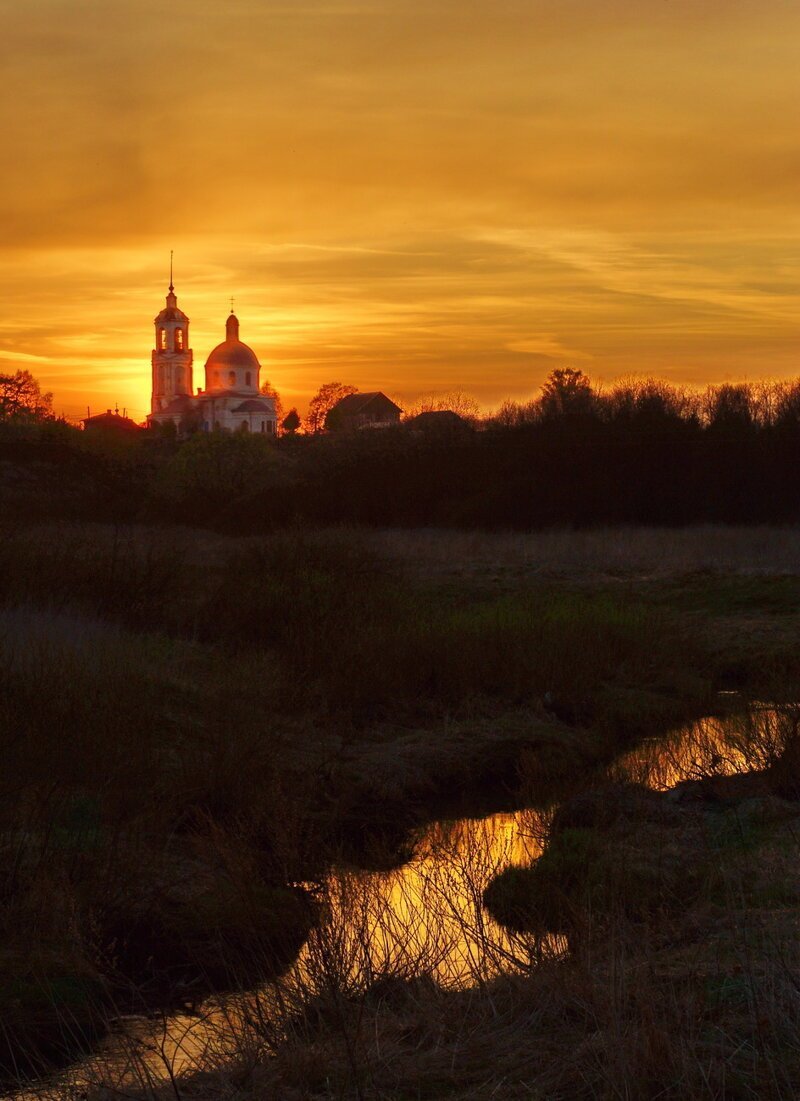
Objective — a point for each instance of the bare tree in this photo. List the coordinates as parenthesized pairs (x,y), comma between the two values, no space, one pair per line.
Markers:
(322,403)
(651,400)
(731,407)
(515,414)
(454,401)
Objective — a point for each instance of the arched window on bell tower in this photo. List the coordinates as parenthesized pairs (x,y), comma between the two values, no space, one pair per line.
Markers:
(162,340)
(179,341)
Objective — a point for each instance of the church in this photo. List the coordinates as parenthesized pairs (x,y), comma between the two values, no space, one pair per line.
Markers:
(230,401)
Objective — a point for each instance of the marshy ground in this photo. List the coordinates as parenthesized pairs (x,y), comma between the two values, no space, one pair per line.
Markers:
(197,727)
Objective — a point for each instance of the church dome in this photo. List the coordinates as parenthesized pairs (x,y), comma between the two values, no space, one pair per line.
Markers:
(232,354)
(232,364)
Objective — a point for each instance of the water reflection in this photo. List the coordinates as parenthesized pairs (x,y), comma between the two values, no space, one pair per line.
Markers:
(427,916)
(710,747)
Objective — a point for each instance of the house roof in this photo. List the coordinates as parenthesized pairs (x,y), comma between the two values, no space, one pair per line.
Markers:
(436,419)
(114,421)
(353,404)
(255,405)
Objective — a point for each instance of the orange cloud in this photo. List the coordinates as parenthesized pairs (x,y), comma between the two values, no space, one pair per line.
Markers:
(405,195)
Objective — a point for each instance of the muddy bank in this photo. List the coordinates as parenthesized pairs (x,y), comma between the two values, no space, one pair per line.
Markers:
(164,934)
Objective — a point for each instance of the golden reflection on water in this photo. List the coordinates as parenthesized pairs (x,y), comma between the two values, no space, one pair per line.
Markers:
(428,916)
(425,917)
(709,747)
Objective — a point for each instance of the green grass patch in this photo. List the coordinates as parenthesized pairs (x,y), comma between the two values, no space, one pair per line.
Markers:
(725,595)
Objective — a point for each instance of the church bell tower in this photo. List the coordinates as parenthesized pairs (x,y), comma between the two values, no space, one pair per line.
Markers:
(172,356)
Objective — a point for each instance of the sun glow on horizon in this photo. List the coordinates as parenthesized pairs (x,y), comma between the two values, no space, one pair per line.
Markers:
(405,198)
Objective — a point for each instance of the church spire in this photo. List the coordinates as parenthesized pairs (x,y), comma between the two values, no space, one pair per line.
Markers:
(172,300)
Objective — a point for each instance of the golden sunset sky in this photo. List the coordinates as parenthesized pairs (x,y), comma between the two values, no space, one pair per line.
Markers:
(407,195)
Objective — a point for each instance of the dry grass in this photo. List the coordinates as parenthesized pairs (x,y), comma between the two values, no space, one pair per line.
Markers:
(395,671)
(692,998)
(597,552)
(349,635)
(645,552)
(700,1002)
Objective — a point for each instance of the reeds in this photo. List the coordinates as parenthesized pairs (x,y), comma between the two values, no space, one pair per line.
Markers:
(343,633)
(182,719)
(698,1001)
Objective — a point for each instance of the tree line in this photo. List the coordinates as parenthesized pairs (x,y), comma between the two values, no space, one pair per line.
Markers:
(641,451)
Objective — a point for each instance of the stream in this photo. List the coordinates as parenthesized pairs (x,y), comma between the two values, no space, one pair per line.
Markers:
(426,916)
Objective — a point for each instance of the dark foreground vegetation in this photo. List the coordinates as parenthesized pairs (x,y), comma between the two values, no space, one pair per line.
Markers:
(642,453)
(187,727)
(207,700)
(680,911)
(193,725)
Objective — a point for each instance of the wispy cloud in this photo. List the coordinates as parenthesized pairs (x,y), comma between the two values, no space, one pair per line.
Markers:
(407,194)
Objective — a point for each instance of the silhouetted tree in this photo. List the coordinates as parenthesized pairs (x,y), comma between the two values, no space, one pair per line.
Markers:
(730,408)
(21,396)
(642,452)
(649,402)
(515,414)
(786,407)
(291,422)
(211,471)
(322,403)
(567,392)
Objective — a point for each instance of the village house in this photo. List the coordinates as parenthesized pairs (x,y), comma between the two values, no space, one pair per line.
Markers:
(357,411)
(440,423)
(115,423)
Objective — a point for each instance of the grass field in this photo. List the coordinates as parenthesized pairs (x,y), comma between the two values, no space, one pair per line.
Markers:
(597,552)
(191,724)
